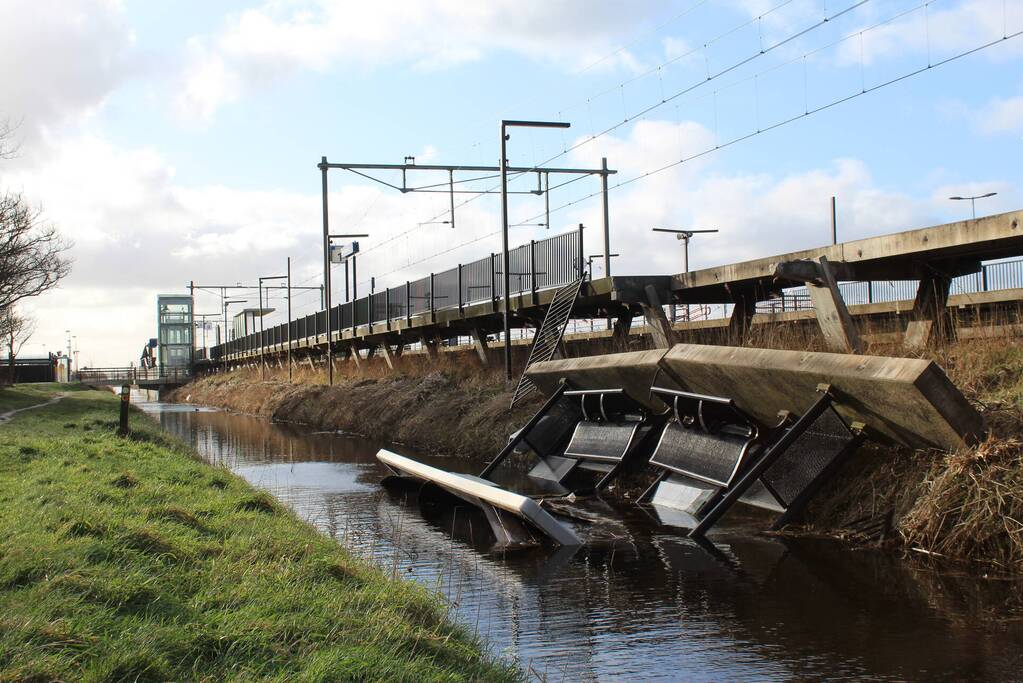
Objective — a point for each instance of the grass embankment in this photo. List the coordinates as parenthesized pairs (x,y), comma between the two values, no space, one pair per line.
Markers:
(453,407)
(126,559)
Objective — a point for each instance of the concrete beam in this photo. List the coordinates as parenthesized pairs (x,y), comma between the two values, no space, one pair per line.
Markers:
(621,329)
(430,345)
(929,319)
(661,331)
(894,256)
(385,350)
(635,372)
(907,401)
(836,324)
(479,340)
(741,319)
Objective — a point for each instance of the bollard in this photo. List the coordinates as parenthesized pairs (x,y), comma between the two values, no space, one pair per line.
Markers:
(122,428)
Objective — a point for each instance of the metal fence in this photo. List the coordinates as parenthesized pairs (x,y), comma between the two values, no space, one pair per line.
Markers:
(539,265)
(992,277)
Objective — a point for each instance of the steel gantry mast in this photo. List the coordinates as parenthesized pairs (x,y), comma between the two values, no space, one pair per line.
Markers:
(450,187)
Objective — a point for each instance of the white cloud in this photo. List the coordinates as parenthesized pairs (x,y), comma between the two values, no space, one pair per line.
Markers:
(60,60)
(758,214)
(1001,116)
(138,231)
(259,46)
(938,32)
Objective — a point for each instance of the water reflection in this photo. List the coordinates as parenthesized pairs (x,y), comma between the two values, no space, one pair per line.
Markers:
(655,606)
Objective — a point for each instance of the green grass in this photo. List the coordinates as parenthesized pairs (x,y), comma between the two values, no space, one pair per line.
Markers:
(128,559)
(24,395)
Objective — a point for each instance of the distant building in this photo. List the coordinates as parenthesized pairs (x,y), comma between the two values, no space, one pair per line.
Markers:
(174,331)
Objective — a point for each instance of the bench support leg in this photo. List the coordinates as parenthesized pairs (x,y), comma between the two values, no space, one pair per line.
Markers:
(769,457)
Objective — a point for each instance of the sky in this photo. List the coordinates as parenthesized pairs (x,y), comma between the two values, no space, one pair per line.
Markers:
(177,142)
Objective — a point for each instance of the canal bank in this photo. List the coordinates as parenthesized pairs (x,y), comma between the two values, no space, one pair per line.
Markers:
(133,559)
(962,506)
(647,603)
(462,412)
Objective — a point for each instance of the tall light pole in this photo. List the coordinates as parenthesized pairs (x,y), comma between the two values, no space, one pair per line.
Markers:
(973,200)
(505,276)
(262,342)
(327,237)
(684,236)
(345,260)
(290,319)
(228,302)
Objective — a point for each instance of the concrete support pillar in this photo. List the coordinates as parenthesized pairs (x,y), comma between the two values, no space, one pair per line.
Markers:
(622,326)
(741,320)
(399,349)
(370,352)
(479,340)
(929,319)
(385,350)
(309,359)
(836,324)
(430,345)
(357,357)
(661,333)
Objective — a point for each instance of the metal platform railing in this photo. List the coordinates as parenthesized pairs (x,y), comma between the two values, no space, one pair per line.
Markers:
(540,265)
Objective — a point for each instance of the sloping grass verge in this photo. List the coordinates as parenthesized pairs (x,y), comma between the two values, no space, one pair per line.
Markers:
(128,559)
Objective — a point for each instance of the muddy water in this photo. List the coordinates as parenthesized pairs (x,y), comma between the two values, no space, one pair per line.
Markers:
(650,604)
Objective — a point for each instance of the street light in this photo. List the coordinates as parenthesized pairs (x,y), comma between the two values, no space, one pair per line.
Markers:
(227,303)
(589,262)
(973,200)
(327,237)
(262,342)
(352,256)
(505,277)
(684,236)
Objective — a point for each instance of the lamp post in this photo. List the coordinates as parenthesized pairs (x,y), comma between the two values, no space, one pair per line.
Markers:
(589,262)
(327,237)
(505,279)
(684,236)
(262,342)
(228,302)
(973,200)
(352,256)
(68,332)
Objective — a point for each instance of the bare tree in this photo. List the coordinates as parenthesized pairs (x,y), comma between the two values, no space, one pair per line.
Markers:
(16,329)
(33,255)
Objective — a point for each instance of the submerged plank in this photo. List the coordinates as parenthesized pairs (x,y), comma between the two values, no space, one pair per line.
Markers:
(484,495)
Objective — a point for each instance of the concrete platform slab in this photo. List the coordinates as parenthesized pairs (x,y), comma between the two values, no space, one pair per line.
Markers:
(904,401)
(634,372)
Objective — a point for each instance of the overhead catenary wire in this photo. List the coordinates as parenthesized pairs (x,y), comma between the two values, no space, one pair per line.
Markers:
(783,122)
(808,111)
(710,77)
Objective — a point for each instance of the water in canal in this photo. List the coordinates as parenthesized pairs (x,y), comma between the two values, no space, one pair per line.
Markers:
(649,605)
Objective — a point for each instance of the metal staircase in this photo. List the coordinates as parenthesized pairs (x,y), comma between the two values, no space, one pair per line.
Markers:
(548,337)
